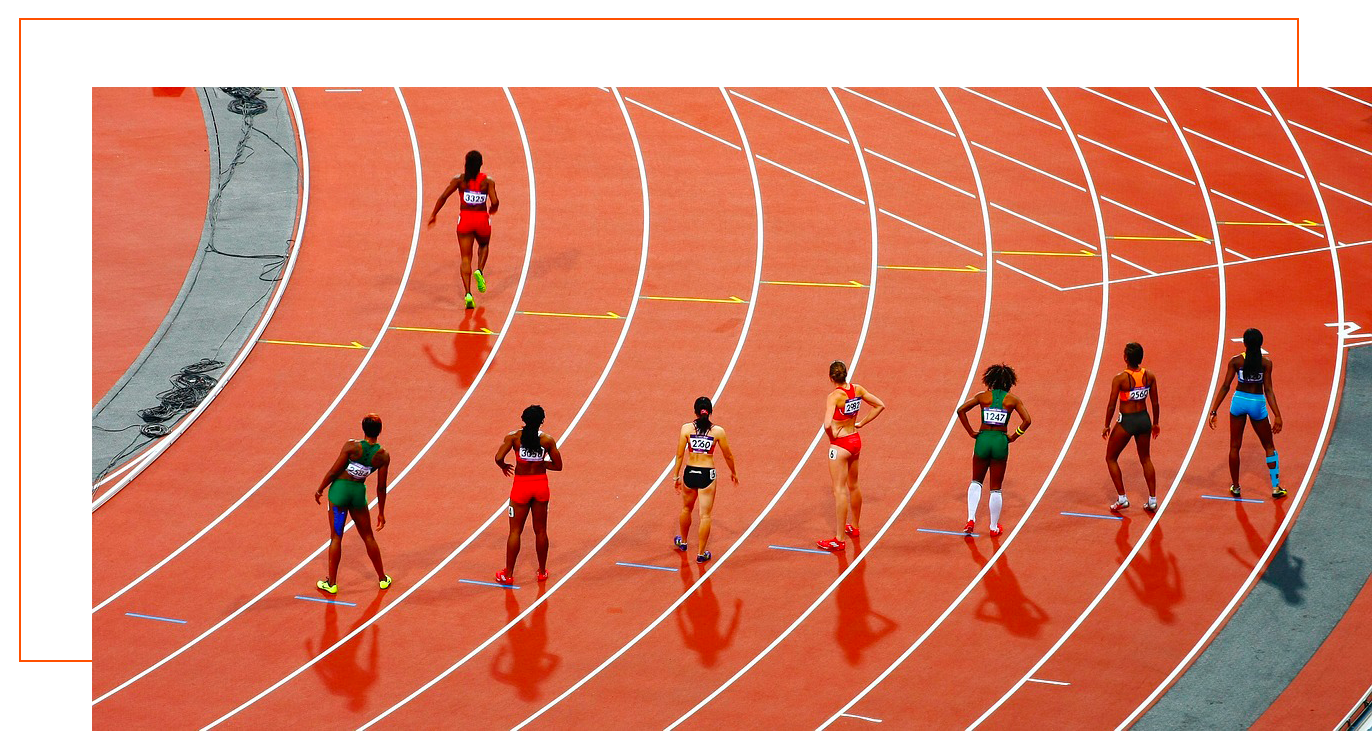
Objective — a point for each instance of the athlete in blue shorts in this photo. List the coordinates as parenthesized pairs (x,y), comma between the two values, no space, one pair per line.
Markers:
(1252,398)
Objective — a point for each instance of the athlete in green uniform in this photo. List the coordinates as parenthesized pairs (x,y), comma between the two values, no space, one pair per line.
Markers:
(993,440)
(346,482)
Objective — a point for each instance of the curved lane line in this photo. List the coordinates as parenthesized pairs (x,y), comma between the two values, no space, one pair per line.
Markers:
(1261,563)
(1195,437)
(614,355)
(1071,435)
(142,461)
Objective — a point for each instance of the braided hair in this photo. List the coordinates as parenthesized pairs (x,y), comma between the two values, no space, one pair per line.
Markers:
(703,410)
(472,167)
(999,377)
(533,418)
(1252,354)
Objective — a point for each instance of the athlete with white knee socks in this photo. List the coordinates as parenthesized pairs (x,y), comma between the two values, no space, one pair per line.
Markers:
(993,440)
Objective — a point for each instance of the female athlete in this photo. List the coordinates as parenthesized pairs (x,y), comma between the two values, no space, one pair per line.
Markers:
(845,447)
(536,454)
(346,482)
(1252,398)
(1131,387)
(699,438)
(992,441)
(473,220)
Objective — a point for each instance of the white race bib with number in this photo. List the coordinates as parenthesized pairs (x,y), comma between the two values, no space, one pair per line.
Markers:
(833,454)
(851,406)
(995,417)
(702,443)
(473,197)
(531,455)
(1138,394)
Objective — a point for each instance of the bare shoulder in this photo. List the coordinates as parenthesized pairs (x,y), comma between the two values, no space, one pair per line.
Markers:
(716,431)
(382,457)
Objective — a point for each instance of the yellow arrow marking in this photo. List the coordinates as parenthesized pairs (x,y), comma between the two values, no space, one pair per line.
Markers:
(606,316)
(730,301)
(1158,238)
(1308,222)
(354,346)
(852,284)
(482,331)
(968,268)
(1083,252)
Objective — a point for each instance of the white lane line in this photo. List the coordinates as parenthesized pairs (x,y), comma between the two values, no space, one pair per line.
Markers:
(338,90)
(797,120)
(1048,682)
(1154,219)
(139,463)
(812,180)
(1123,260)
(1363,102)
(571,427)
(929,231)
(901,112)
(1017,110)
(920,173)
(1062,454)
(1308,229)
(414,243)
(1346,194)
(863,718)
(857,355)
(1188,270)
(1123,104)
(1237,101)
(1278,538)
(1328,137)
(1044,226)
(1024,164)
(1190,451)
(1241,256)
(1243,152)
(683,124)
(1121,153)
(1044,282)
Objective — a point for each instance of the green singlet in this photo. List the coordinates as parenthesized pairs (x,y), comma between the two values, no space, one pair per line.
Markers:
(990,444)
(349,493)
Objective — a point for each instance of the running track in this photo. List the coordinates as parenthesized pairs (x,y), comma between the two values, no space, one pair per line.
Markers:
(656,196)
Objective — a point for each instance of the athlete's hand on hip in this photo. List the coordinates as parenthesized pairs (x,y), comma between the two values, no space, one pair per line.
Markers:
(380,521)
(1156,430)
(1276,425)
(1012,438)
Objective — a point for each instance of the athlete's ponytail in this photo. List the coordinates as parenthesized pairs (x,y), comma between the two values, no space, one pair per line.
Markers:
(533,418)
(472,168)
(1252,355)
(838,372)
(703,410)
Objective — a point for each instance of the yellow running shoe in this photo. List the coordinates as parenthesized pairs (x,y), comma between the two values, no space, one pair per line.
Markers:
(471,302)
(480,280)
(386,582)
(324,585)
(1279,491)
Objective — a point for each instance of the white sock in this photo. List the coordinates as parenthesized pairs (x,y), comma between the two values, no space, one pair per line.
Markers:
(995,507)
(973,499)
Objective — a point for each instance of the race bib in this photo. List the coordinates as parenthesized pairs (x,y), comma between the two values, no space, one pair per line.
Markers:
(1138,394)
(702,443)
(851,406)
(995,417)
(473,197)
(358,471)
(833,454)
(530,455)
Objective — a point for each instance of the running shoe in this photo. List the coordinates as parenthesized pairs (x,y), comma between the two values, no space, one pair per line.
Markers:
(542,575)
(1234,490)
(996,531)
(386,582)
(480,280)
(971,526)
(850,530)
(831,544)
(503,577)
(471,302)
(324,585)
(1279,491)
(1120,504)
(703,557)
(679,543)
(1151,506)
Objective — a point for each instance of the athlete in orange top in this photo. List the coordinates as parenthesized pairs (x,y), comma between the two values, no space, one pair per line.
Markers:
(1131,388)
(474,220)
(841,423)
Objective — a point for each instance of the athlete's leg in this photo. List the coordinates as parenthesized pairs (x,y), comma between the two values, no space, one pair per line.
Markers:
(979,467)
(518,514)
(464,243)
(707,504)
(688,503)
(540,534)
(994,479)
(854,494)
(362,520)
(1144,444)
(1235,442)
(838,473)
(1118,438)
(1263,428)
(483,250)
(335,541)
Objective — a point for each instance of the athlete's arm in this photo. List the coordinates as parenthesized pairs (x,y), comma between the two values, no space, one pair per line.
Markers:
(1230,371)
(680,455)
(505,447)
(962,414)
(1024,419)
(550,445)
(830,403)
(490,195)
(1271,395)
(452,188)
(337,467)
(1157,414)
(877,407)
(382,473)
(723,440)
(1110,404)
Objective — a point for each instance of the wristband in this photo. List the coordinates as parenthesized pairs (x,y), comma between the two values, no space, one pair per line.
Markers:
(1019,431)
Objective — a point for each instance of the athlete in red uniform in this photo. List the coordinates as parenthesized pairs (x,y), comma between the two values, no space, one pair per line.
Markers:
(841,424)
(537,453)
(473,221)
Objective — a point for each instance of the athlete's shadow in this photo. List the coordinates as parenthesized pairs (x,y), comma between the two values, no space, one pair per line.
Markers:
(698,618)
(1154,578)
(469,351)
(1286,572)
(340,671)
(1005,602)
(854,633)
(529,661)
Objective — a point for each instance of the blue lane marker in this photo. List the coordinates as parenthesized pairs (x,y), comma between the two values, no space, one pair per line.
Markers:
(645,566)
(1231,499)
(149,616)
(324,601)
(949,532)
(488,583)
(1089,515)
(802,550)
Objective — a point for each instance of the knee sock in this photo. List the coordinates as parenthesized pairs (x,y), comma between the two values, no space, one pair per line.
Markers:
(1273,470)
(995,507)
(973,499)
